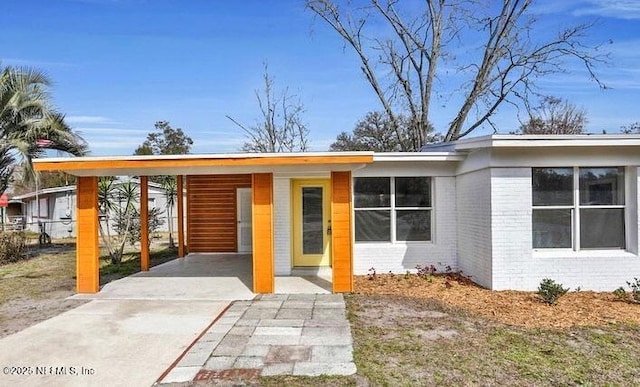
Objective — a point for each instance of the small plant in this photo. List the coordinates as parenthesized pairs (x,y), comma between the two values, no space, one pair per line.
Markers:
(12,246)
(426,272)
(621,294)
(550,291)
(407,275)
(372,274)
(635,289)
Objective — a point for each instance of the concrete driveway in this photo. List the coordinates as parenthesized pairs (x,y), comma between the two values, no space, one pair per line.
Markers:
(205,277)
(136,327)
(132,330)
(105,343)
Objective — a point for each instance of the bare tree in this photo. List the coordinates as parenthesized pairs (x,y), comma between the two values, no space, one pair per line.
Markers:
(555,116)
(280,129)
(402,65)
(376,133)
(632,128)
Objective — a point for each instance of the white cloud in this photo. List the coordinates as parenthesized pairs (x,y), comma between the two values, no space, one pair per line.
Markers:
(108,132)
(88,120)
(619,9)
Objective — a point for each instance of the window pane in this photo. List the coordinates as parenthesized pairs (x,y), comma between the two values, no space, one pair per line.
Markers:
(601,186)
(372,192)
(373,225)
(413,191)
(552,186)
(413,225)
(312,227)
(602,228)
(551,228)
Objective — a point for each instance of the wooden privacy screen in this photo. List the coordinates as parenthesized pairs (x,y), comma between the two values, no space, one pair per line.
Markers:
(211,212)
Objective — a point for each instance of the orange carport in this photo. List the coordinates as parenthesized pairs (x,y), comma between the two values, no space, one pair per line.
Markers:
(259,168)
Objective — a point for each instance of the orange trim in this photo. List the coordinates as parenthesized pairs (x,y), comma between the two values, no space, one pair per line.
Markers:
(144,223)
(145,162)
(87,247)
(180,204)
(341,245)
(262,229)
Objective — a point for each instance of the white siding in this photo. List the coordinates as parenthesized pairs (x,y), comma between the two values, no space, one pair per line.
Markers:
(473,194)
(402,256)
(282,225)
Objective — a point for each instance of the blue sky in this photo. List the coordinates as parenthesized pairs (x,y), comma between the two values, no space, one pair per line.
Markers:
(120,65)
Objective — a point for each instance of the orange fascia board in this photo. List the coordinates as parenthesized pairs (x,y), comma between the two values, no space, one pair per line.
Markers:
(141,162)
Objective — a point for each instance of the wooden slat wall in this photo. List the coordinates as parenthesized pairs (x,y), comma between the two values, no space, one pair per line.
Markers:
(341,251)
(262,207)
(87,249)
(211,208)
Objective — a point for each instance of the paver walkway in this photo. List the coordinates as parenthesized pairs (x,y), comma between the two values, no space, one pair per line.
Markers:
(274,334)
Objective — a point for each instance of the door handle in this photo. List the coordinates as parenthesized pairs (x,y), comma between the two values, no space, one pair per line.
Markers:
(329,228)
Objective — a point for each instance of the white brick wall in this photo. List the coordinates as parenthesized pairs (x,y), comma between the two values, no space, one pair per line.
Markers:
(517,266)
(401,256)
(281,225)
(511,228)
(474,225)
(482,226)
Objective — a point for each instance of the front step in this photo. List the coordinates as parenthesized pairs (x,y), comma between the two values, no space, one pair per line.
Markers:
(322,272)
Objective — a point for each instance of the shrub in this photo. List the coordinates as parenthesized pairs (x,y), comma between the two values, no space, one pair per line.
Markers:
(550,291)
(371,275)
(425,272)
(635,289)
(621,294)
(12,246)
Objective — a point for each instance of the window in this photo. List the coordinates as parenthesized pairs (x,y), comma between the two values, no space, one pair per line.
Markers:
(391,209)
(578,208)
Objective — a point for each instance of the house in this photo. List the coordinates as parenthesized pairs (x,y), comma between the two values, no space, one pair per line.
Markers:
(506,210)
(57,206)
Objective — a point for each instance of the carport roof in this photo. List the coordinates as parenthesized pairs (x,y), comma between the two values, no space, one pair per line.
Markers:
(202,164)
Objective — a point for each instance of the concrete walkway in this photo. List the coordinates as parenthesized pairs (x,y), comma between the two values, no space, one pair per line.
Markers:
(276,334)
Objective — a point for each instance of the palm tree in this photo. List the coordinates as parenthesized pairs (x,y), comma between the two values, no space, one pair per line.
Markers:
(126,196)
(28,123)
(169,184)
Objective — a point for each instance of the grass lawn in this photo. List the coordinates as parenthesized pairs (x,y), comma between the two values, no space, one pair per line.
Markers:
(406,341)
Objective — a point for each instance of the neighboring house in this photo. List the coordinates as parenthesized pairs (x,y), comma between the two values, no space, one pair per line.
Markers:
(58,209)
(506,210)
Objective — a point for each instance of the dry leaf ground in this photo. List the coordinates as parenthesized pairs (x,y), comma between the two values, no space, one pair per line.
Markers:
(576,308)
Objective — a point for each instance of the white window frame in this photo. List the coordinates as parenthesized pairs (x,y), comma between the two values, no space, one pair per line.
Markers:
(392,208)
(575,212)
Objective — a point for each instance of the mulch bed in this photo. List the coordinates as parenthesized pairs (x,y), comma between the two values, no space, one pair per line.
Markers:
(578,308)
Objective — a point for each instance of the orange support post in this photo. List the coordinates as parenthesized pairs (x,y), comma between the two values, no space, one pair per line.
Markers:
(87,247)
(144,223)
(262,229)
(341,241)
(180,204)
